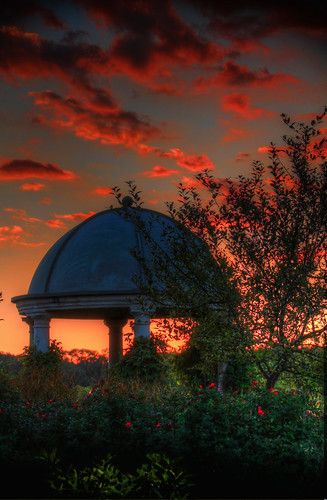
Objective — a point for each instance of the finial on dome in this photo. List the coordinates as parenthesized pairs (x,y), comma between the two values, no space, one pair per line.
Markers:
(127,201)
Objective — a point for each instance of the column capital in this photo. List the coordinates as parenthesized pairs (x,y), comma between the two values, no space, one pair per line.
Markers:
(141,322)
(28,319)
(109,322)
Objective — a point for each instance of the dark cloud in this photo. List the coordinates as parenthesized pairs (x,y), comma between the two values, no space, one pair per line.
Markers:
(150,35)
(18,12)
(256,19)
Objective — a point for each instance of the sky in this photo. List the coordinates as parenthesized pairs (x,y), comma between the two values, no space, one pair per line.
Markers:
(97,93)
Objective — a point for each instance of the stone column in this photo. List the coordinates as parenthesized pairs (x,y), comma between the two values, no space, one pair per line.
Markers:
(41,332)
(30,323)
(115,339)
(141,324)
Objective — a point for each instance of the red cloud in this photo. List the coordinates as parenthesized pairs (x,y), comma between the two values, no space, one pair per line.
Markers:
(190,182)
(16,235)
(10,233)
(56,224)
(143,149)
(194,163)
(19,213)
(159,171)
(47,201)
(233,75)
(240,103)
(78,216)
(32,186)
(103,191)
(23,169)
(88,120)
(264,149)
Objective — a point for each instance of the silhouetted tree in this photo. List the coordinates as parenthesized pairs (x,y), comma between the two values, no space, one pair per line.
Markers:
(267,235)
(271,228)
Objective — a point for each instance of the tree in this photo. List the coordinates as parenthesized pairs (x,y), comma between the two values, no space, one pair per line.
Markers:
(84,366)
(266,233)
(41,378)
(271,229)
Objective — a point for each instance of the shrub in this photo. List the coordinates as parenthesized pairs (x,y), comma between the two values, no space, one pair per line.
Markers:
(41,378)
(141,362)
(276,434)
(8,388)
(158,477)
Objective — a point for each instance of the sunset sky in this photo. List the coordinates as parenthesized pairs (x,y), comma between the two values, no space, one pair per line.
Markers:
(96,93)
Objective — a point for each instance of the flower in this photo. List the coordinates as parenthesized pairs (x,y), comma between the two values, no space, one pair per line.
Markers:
(271,389)
(158,424)
(211,385)
(74,405)
(276,392)
(260,410)
(27,403)
(128,424)
(43,416)
(169,423)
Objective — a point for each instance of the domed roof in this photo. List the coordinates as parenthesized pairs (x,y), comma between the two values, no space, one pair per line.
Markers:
(95,256)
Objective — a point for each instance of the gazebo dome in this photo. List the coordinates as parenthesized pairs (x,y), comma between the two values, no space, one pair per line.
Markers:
(95,256)
(89,273)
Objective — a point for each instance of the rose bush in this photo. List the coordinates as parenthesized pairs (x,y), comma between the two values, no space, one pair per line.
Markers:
(215,438)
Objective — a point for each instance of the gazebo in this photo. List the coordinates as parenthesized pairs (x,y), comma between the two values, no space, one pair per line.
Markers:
(90,273)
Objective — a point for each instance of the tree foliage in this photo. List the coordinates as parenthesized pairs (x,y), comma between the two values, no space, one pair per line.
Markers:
(271,226)
(265,286)
(41,378)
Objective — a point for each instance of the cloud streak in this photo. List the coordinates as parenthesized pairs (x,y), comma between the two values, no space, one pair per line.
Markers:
(17,169)
(159,171)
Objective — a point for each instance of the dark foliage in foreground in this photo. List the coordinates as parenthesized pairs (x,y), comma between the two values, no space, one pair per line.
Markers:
(273,434)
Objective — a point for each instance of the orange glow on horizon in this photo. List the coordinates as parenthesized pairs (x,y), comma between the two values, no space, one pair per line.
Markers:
(89,334)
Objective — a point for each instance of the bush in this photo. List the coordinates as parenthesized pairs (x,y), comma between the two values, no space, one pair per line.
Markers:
(8,388)
(41,378)
(141,362)
(158,477)
(258,433)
